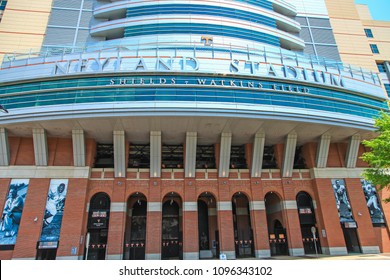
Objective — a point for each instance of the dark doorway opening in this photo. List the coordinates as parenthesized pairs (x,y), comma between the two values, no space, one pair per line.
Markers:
(97,231)
(243,233)
(351,240)
(207,226)
(307,221)
(172,239)
(46,254)
(135,233)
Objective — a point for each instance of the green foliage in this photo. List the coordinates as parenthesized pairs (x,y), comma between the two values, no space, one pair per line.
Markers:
(379,155)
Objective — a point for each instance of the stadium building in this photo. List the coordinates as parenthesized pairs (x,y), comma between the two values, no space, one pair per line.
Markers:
(189,129)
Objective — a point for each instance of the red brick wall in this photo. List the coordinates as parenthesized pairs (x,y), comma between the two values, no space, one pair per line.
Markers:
(309,152)
(336,156)
(73,229)
(29,230)
(358,202)
(60,151)
(80,192)
(328,214)
(90,150)
(21,151)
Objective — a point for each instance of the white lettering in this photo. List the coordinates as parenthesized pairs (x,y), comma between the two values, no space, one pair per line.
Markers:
(193,62)
(63,68)
(201,81)
(141,65)
(164,65)
(271,71)
(82,64)
(234,65)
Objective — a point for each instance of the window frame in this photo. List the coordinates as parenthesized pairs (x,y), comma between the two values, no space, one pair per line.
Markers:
(374,48)
(368,32)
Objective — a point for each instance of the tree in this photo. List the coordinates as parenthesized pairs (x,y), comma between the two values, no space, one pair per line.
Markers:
(379,155)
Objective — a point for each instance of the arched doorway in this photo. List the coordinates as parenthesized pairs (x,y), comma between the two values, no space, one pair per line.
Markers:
(97,229)
(172,231)
(276,231)
(135,233)
(307,220)
(243,233)
(208,234)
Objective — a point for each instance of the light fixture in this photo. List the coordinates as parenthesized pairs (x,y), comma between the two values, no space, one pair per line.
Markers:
(35,219)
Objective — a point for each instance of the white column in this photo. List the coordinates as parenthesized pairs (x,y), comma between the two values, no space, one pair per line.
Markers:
(224,154)
(289,154)
(119,153)
(78,141)
(257,155)
(4,147)
(155,154)
(40,147)
(352,151)
(190,157)
(323,151)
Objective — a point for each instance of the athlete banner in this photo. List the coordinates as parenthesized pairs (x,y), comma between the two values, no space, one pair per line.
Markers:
(55,203)
(12,212)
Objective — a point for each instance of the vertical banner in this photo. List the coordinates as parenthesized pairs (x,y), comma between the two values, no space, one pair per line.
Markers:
(373,205)
(55,203)
(342,201)
(12,212)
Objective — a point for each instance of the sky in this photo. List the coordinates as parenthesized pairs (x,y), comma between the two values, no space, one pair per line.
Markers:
(380,9)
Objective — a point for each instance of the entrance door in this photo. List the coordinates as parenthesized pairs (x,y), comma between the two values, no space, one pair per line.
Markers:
(171,240)
(308,240)
(307,220)
(138,231)
(351,240)
(203,226)
(97,244)
(279,242)
(98,221)
(243,234)
(46,254)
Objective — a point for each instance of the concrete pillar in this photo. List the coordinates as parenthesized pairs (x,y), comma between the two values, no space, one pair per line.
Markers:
(257,155)
(352,151)
(78,141)
(323,151)
(289,154)
(224,155)
(40,147)
(190,156)
(119,154)
(4,147)
(155,154)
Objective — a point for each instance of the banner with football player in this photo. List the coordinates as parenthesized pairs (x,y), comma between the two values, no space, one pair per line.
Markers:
(373,205)
(54,210)
(12,211)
